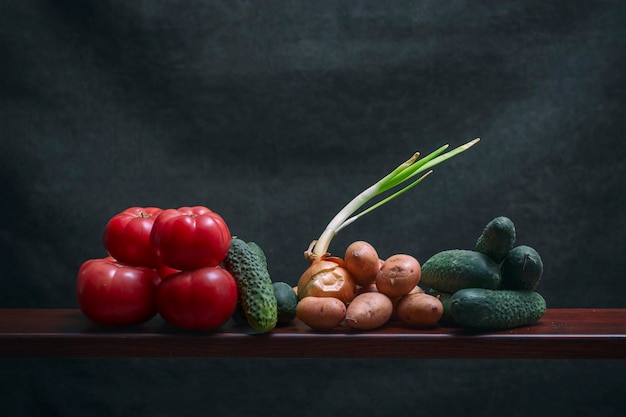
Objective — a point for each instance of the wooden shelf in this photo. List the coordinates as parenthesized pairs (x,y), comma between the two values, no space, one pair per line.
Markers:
(561,333)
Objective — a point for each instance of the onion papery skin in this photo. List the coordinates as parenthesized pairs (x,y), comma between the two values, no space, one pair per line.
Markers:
(326,278)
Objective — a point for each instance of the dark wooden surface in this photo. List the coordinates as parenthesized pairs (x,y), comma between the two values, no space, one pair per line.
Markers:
(561,333)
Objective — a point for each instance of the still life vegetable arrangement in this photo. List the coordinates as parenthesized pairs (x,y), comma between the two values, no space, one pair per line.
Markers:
(185,265)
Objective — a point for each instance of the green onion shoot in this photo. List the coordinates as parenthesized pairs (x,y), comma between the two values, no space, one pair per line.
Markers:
(406,176)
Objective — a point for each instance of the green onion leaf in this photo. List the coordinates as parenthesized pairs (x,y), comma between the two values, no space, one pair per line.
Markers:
(404,173)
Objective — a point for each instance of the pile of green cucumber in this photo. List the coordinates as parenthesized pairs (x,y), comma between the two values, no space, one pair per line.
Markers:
(491,287)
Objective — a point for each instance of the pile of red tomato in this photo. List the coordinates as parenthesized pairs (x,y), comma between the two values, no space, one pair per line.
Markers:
(160,261)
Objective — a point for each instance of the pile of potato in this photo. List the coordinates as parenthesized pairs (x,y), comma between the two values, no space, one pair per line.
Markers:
(364,292)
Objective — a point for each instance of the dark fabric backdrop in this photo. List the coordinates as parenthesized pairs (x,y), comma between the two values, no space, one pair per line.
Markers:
(274,114)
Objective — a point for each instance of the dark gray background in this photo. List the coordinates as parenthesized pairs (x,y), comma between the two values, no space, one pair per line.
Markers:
(275,115)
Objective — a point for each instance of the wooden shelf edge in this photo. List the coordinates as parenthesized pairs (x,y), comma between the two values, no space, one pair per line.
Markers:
(560,334)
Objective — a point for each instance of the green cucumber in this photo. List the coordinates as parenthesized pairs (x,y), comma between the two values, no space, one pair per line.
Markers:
(485,309)
(521,269)
(497,238)
(259,251)
(455,269)
(287,301)
(256,294)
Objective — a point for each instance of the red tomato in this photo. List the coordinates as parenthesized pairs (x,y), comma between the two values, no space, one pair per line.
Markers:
(127,236)
(115,294)
(190,238)
(201,299)
(165,271)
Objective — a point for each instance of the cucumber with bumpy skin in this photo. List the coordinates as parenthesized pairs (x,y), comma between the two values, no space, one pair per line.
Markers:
(497,238)
(485,309)
(521,269)
(259,251)
(256,294)
(455,269)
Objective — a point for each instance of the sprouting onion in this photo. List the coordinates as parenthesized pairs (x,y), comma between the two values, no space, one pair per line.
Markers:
(403,178)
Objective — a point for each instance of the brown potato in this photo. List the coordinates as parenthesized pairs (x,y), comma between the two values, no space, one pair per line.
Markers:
(321,313)
(368,311)
(368,288)
(416,290)
(399,275)
(419,310)
(395,300)
(326,278)
(361,260)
